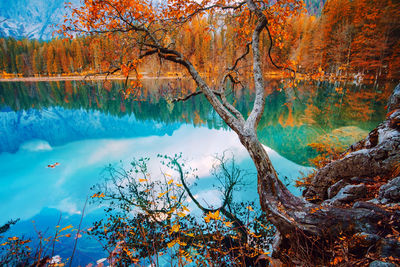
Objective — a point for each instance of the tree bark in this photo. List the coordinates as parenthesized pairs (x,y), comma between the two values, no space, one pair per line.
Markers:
(300,224)
(303,228)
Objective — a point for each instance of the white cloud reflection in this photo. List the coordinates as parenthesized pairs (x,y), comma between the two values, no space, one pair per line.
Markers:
(27,185)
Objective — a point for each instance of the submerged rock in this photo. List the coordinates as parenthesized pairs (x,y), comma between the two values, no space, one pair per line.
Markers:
(342,137)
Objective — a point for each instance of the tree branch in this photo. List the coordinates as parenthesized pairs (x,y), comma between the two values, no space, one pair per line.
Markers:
(236,221)
(247,51)
(259,101)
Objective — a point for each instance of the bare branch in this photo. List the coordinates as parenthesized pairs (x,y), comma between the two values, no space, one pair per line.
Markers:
(247,51)
(107,73)
(236,221)
(178,99)
(269,53)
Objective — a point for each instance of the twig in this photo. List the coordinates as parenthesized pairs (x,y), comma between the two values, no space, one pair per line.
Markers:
(77,234)
(55,235)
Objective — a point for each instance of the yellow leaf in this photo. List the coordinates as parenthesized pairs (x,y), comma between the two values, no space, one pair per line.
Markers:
(181,214)
(185,209)
(162,194)
(172,243)
(171,210)
(179,185)
(228,224)
(170,181)
(249,208)
(182,243)
(66,228)
(212,216)
(215,215)
(254,235)
(175,228)
(142,180)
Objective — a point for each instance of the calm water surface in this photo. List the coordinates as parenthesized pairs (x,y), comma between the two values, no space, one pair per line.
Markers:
(85,126)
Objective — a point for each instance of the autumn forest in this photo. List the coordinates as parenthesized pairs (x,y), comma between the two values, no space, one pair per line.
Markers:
(348,38)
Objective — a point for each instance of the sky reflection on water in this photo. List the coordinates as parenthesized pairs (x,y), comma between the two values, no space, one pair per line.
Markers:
(29,186)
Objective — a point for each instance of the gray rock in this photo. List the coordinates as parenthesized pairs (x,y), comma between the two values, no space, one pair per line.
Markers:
(350,193)
(390,192)
(381,264)
(394,100)
(389,247)
(335,188)
(366,240)
(374,201)
(370,237)
(358,180)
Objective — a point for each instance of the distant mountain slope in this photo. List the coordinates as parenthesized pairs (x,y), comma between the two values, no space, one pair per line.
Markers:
(58,126)
(314,7)
(34,19)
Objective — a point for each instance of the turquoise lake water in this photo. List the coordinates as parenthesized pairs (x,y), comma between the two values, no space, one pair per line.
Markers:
(84,127)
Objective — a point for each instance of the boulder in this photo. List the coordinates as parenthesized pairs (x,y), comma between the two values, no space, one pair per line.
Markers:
(381,264)
(389,247)
(348,194)
(390,192)
(394,100)
(335,188)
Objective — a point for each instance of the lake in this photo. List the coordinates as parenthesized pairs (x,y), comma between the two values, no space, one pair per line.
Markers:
(82,127)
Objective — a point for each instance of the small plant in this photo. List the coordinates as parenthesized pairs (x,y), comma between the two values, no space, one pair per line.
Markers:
(149,221)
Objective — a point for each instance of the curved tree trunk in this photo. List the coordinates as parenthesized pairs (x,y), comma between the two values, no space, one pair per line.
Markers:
(304,228)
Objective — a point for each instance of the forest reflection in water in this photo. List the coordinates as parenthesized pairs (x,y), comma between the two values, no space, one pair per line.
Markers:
(316,112)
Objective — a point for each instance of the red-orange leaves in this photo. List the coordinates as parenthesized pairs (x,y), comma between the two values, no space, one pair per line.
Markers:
(53,165)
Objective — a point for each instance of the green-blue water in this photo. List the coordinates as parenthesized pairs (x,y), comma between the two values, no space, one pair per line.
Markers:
(85,127)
